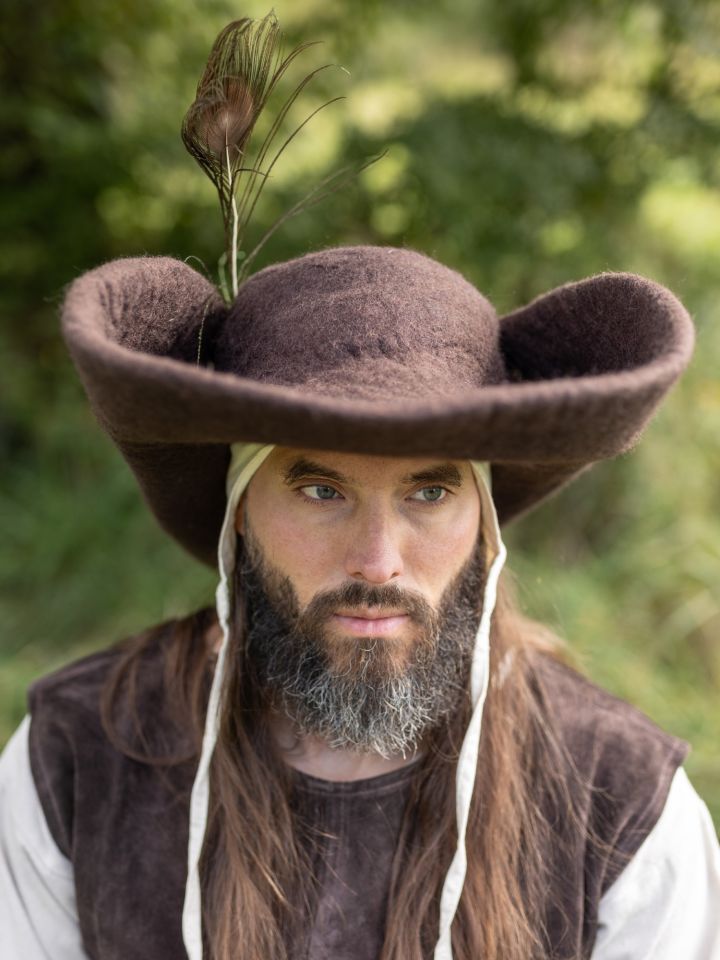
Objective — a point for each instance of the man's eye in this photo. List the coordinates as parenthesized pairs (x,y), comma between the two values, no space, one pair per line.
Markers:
(319,491)
(430,494)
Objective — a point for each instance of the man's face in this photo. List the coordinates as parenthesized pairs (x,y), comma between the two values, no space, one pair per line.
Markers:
(363,578)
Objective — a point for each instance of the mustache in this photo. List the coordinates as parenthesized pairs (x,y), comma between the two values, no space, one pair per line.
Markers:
(357,594)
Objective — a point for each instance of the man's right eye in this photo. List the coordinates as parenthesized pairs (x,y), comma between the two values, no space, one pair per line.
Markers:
(319,491)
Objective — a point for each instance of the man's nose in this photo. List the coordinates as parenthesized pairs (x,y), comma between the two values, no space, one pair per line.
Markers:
(374,551)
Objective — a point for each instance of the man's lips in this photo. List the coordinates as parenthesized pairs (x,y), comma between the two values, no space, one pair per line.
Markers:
(370,623)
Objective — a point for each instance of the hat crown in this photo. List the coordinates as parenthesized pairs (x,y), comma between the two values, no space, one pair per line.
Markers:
(362,322)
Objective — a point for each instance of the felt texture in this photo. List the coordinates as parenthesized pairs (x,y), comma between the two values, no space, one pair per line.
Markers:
(376,350)
(124,824)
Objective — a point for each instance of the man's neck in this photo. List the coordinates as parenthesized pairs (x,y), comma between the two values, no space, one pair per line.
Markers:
(313,755)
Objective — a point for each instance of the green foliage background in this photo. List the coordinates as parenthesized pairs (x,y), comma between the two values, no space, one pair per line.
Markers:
(530,143)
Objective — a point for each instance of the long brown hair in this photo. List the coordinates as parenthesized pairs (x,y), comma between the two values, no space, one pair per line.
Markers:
(257,886)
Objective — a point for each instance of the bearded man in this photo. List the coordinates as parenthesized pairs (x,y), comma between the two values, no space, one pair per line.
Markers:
(365,751)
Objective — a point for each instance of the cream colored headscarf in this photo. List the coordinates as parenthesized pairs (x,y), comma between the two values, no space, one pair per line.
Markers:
(245,461)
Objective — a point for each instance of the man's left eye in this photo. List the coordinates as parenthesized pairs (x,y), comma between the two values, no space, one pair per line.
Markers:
(430,494)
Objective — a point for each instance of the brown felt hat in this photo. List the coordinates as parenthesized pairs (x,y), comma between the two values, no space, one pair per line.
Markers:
(365,349)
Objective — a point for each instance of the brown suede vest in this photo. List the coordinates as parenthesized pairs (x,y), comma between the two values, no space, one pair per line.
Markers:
(124,824)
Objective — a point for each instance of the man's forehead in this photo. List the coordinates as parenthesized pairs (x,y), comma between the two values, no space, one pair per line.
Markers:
(294,464)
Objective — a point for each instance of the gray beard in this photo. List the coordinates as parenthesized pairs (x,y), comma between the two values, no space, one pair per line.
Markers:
(354,694)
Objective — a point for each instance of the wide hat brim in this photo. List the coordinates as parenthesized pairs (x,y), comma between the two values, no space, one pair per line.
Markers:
(174,417)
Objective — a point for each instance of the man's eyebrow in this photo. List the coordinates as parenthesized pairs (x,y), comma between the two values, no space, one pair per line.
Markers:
(302,467)
(443,473)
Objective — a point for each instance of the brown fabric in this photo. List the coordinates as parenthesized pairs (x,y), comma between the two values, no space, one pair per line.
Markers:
(374,350)
(354,828)
(124,825)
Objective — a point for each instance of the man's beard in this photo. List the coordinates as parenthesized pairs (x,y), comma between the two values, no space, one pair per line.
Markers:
(370,694)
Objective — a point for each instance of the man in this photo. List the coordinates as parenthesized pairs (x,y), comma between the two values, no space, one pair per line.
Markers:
(366,751)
